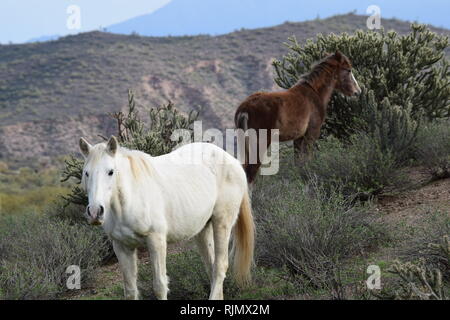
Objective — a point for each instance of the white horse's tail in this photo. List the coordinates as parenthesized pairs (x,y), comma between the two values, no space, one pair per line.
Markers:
(244,243)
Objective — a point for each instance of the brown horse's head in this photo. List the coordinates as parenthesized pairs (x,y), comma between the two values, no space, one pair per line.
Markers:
(346,82)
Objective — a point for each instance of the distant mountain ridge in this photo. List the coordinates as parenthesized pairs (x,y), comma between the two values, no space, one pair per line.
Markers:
(52,93)
(214,17)
(194,17)
(44,38)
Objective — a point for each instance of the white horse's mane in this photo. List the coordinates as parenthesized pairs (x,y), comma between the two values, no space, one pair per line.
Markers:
(139,161)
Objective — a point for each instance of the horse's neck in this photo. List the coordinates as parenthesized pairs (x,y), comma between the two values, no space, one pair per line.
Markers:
(324,87)
(127,187)
(323,84)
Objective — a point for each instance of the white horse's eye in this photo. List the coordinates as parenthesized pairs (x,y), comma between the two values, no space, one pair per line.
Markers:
(111,172)
(87,174)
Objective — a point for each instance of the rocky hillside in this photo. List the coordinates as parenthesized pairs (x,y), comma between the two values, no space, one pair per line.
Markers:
(51,93)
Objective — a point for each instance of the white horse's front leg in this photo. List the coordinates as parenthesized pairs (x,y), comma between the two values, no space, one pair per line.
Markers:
(128,265)
(157,246)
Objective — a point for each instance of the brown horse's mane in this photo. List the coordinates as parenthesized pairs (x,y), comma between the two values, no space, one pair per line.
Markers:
(325,67)
(318,71)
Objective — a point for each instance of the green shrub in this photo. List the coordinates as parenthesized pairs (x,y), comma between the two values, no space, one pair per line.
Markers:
(35,200)
(422,269)
(188,278)
(393,128)
(310,231)
(35,252)
(189,281)
(72,213)
(410,70)
(416,281)
(74,169)
(358,168)
(12,181)
(3,167)
(419,280)
(430,243)
(29,190)
(433,148)
(155,139)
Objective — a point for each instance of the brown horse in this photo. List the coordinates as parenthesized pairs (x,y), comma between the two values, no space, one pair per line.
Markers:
(298,113)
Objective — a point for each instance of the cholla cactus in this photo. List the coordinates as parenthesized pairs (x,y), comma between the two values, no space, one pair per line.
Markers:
(444,246)
(418,281)
(433,148)
(156,138)
(421,280)
(411,71)
(73,169)
(392,126)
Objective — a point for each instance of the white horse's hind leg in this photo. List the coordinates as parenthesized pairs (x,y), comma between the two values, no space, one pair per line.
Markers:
(157,245)
(223,220)
(205,243)
(128,264)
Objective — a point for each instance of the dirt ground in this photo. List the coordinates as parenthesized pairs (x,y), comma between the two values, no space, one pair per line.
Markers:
(413,205)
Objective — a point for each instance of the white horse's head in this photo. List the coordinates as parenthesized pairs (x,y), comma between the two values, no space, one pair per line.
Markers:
(99,177)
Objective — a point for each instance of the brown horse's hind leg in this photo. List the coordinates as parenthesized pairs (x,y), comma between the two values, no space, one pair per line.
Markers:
(298,147)
(301,150)
(303,147)
(252,171)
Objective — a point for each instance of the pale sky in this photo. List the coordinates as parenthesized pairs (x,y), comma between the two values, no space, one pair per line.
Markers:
(22,20)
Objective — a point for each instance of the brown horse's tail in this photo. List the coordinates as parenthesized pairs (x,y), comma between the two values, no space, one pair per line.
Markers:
(241,121)
(244,243)
(251,169)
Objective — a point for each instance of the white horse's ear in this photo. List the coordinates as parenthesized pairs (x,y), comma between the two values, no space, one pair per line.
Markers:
(112,146)
(85,147)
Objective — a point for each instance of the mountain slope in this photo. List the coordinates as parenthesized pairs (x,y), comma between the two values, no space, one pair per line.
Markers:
(52,93)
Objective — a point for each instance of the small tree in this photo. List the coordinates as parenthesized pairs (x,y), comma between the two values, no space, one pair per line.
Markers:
(133,133)
(410,71)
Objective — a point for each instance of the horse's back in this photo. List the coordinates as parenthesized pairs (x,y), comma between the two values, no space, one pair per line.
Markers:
(208,151)
(262,108)
(197,175)
(213,159)
(288,111)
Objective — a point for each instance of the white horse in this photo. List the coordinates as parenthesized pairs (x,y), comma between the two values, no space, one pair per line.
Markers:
(198,190)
